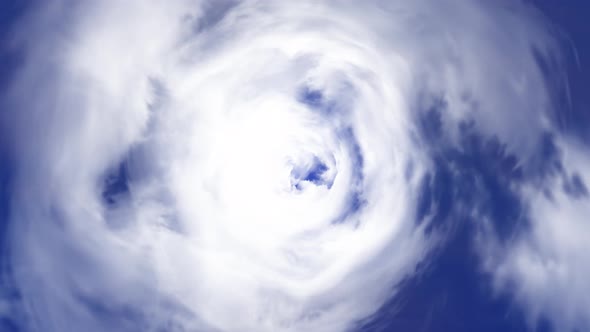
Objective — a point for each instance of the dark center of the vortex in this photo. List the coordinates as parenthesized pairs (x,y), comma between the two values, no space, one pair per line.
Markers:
(313,172)
(316,101)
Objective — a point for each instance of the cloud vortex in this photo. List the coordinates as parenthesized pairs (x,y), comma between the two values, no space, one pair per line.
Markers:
(193,165)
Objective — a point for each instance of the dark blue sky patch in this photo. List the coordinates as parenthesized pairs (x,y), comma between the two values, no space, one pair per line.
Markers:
(115,186)
(472,178)
(338,101)
(448,293)
(316,101)
(313,98)
(484,173)
(547,161)
(17,317)
(215,12)
(314,172)
(469,181)
(571,86)
(575,187)
(431,121)
(6,176)
(425,200)
(355,200)
(354,203)
(436,198)
(11,58)
(356,154)
(14,316)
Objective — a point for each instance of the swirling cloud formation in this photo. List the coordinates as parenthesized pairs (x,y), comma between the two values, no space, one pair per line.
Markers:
(194,165)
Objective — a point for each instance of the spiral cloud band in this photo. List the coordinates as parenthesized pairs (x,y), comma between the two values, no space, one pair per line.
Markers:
(194,165)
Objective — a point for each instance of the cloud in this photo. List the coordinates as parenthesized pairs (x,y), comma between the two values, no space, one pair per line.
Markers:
(545,267)
(252,166)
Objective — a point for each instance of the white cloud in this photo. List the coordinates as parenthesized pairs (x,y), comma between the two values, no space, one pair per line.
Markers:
(545,267)
(214,233)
